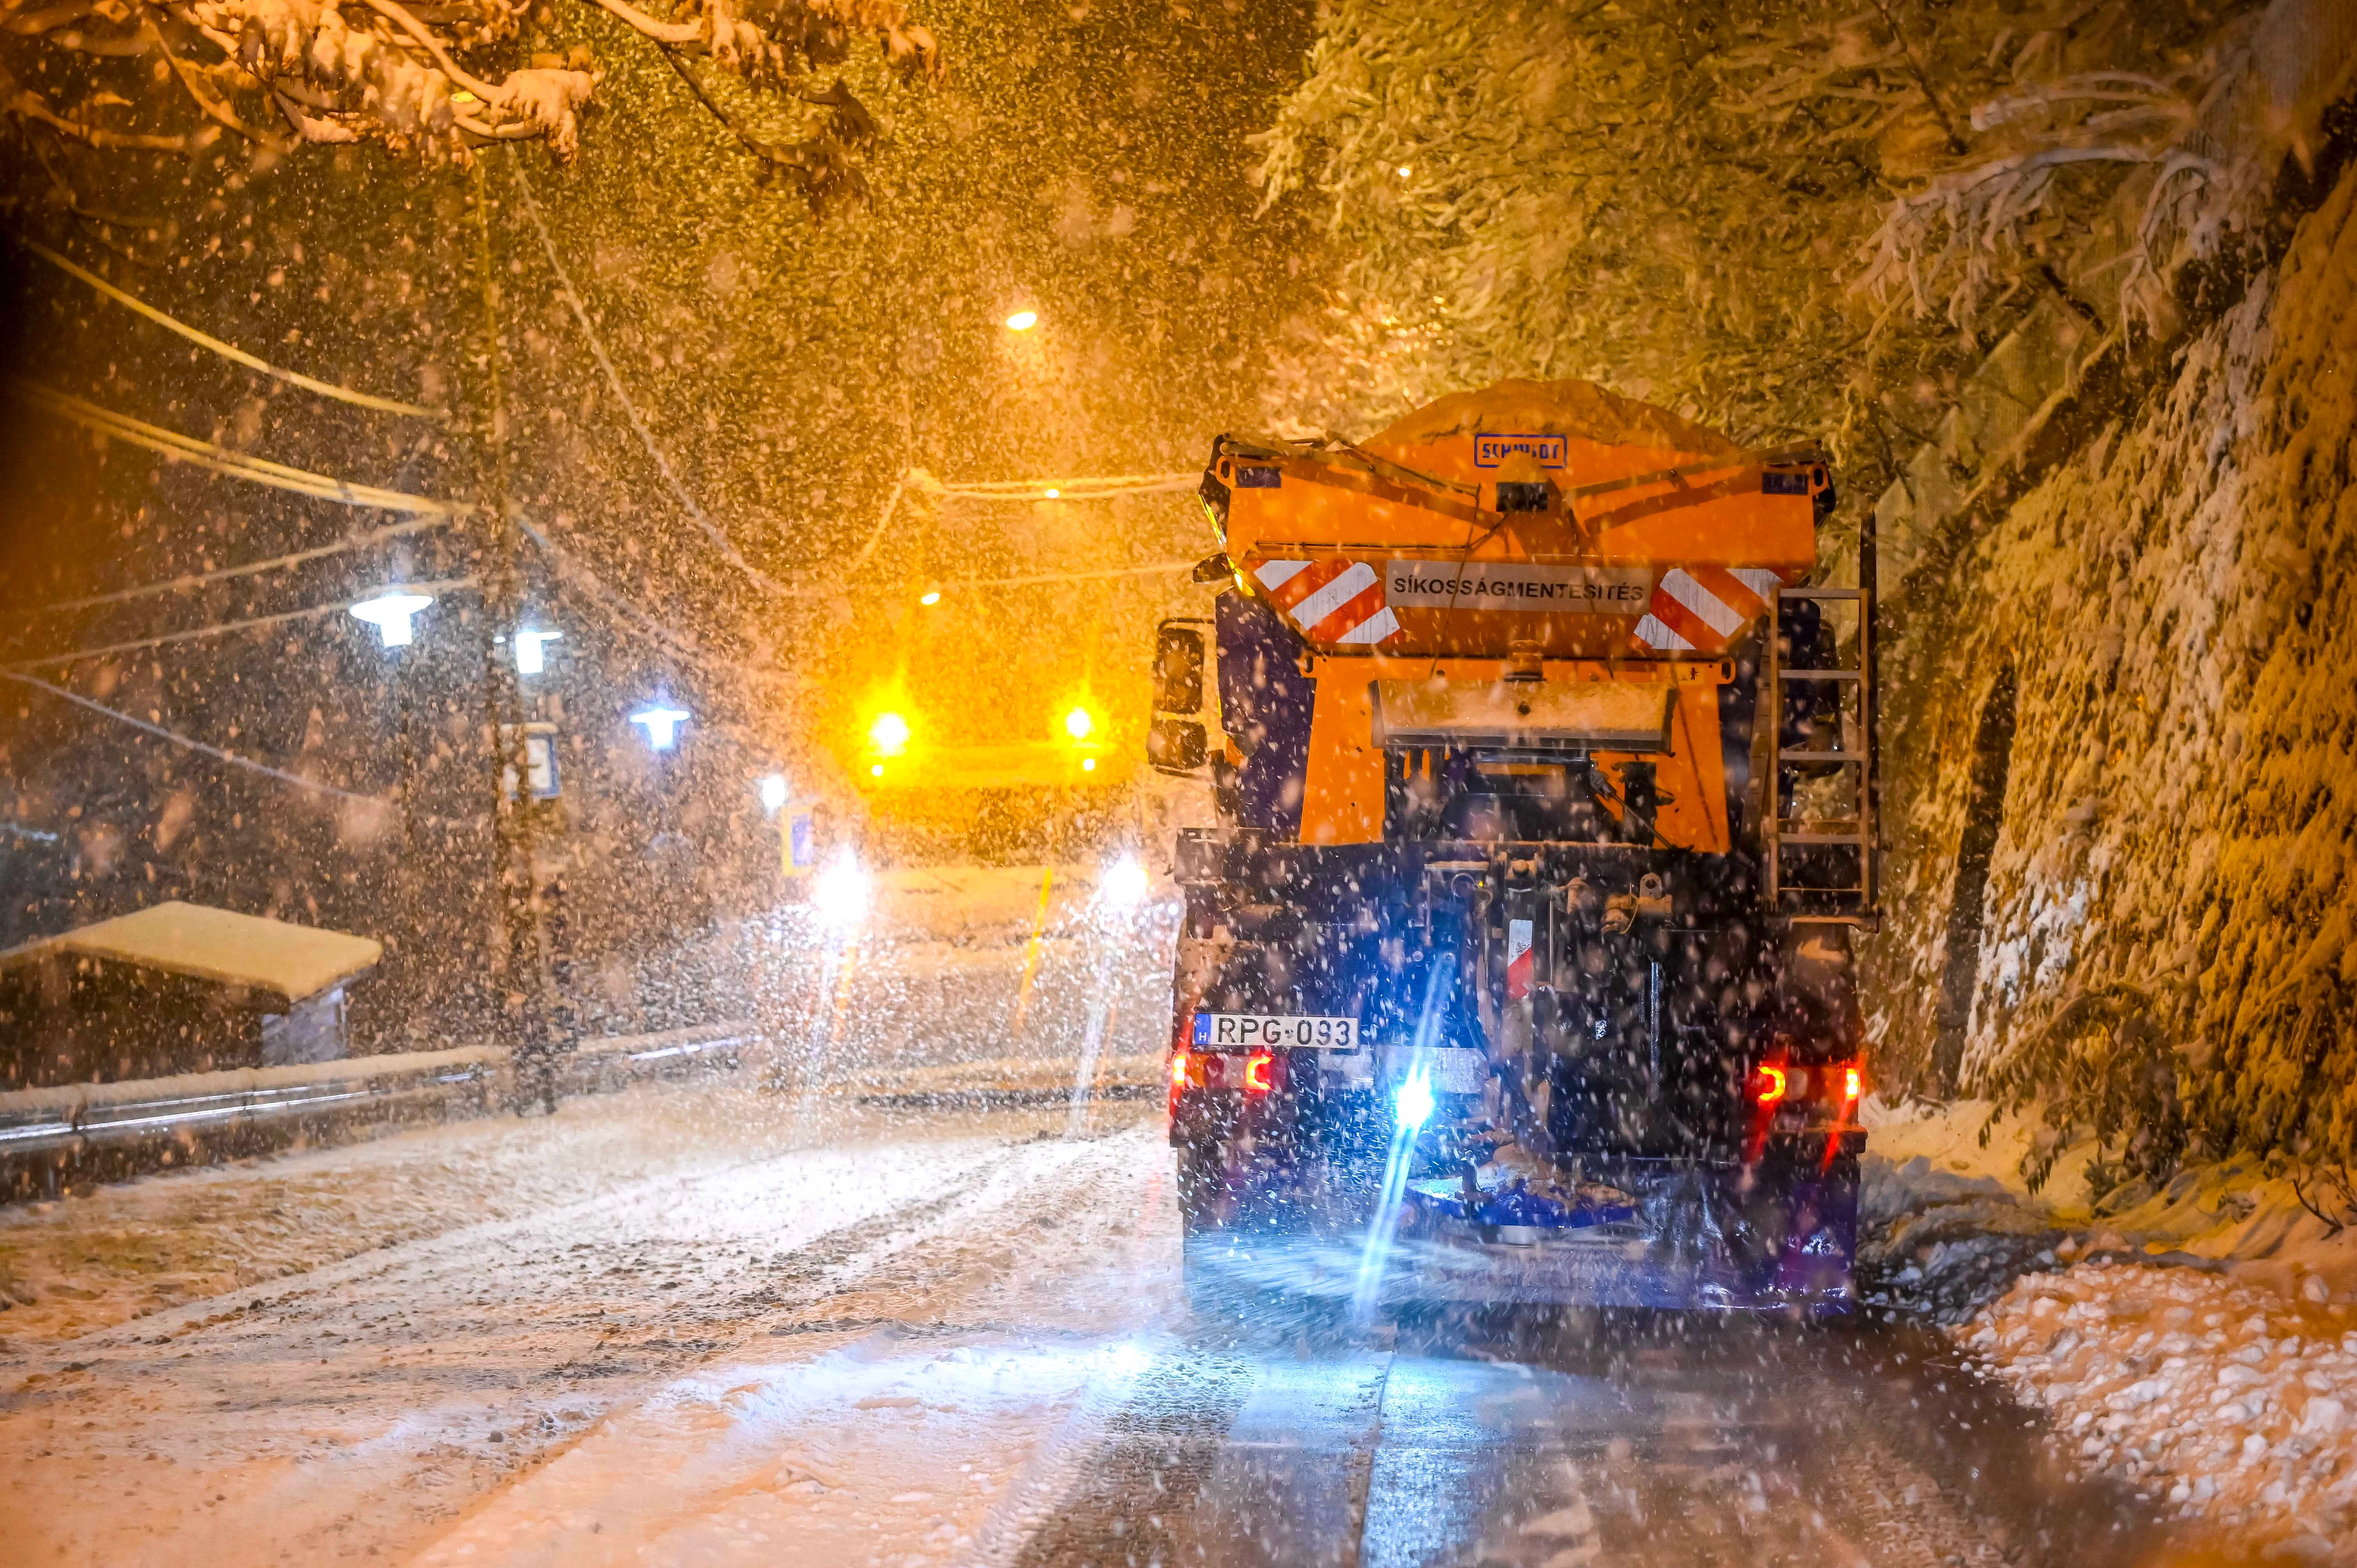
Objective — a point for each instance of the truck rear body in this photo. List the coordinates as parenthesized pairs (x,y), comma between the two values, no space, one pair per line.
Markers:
(1545,803)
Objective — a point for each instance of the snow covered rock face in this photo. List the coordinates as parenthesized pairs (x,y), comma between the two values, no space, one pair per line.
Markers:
(2226,1400)
(2178,835)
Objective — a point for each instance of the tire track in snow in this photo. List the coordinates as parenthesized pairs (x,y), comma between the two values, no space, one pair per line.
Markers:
(1002,1337)
(640,1199)
(355,1406)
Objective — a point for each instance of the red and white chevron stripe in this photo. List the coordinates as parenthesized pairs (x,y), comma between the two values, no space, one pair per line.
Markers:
(1336,601)
(1701,609)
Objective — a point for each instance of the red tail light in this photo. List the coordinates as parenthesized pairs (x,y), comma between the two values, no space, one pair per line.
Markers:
(1853,1085)
(1768,1083)
(1179,1069)
(1260,1071)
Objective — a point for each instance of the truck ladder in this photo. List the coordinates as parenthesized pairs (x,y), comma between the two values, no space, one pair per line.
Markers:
(1845,902)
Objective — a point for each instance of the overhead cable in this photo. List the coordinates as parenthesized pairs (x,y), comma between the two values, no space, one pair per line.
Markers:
(220,459)
(222,629)
(247,569)
(186,743)
(573,569)
(230,350)
(712,531)
(876,534)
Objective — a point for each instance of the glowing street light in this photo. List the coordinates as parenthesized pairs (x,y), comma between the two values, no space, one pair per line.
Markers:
(1080,724)
(888,735)
(662,722)
(391,613)
(1022,321)
(930,596)
(773,790)
(1405,171)
(530,651)
(1054,494)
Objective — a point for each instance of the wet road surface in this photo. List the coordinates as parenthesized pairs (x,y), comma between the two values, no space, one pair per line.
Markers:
(931,1338)
(1489,1439)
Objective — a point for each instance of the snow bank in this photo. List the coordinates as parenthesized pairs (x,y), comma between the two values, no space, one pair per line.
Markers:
(2198,1342)
(2224,1400)
(1945,1223)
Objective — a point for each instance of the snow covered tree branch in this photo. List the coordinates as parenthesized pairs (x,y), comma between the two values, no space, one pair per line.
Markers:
(1750,211)
(2124,171)
(434,80)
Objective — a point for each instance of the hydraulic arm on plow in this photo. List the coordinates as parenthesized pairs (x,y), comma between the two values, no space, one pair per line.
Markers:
(1519,968)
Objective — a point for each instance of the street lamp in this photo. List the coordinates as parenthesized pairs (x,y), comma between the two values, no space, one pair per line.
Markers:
(773,789)
(530,651)
(1022,321)
(1080,724)
(662,722)
(391,613)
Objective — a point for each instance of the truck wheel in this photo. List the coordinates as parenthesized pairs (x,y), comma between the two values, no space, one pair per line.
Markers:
(1207,1216)
(1205,1204)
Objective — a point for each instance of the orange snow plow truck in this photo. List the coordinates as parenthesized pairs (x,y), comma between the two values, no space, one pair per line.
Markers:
(1518,966)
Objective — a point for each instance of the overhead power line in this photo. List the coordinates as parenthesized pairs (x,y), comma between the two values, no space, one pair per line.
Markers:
(230,350)
(571,569)
(222,629)
(883,521)
(220,459)
(695,513)
(246,569)
(188,744)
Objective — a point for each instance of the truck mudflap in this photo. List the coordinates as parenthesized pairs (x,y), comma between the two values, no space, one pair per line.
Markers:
(1698,1237)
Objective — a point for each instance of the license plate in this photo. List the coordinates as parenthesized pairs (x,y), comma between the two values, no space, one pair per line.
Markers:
(1273,1031)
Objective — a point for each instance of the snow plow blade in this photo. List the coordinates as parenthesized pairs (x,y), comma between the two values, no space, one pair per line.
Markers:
(1693,1240)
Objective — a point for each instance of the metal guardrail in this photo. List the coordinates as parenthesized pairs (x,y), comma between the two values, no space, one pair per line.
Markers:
(73,1124)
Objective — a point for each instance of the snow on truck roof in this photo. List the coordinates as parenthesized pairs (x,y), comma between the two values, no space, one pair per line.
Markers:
(1580,409)
(200,942)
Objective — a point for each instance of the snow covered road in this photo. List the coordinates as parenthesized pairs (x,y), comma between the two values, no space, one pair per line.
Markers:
(943,1338)
(356,1408)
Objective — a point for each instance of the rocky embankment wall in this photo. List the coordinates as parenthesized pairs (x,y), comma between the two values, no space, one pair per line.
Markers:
(2126,707)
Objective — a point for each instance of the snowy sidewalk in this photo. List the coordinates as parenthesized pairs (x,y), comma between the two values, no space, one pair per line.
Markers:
(2198,1342)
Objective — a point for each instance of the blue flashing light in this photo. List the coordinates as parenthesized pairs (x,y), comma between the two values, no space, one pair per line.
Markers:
(1415,1102)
